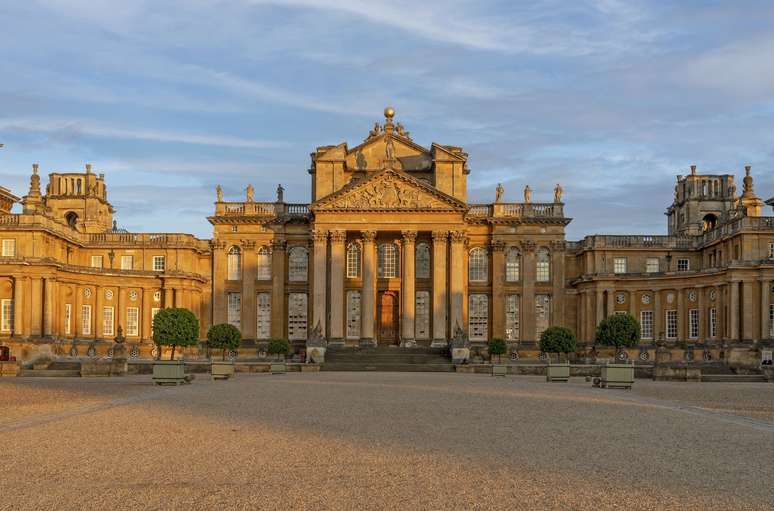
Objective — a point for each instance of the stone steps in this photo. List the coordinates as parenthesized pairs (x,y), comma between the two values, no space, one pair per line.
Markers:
(51,373)
(733,378)
(387,358)
(390,367)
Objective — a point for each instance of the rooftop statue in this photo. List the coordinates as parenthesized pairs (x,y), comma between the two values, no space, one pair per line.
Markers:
(499,191)
(219,193)
(527,194)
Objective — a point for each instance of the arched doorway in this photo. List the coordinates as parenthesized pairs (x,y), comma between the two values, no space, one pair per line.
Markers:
(388,317)
(72,219)
(710,222)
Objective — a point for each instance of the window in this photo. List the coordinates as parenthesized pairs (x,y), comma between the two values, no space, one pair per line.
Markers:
(543,269)
(387,261)
(96,261)
(132,321)
(127,262)
(693,323)
(9,248)
(652,265)
(297,310)
(234,309)
(353,261)
(512,332)
(423,261)
(619,265)
(713,322)
(263,321)
(353,314)
(671,324)
(68,314)
(263,264)
(477,265)
(771,250)
(771,320)
(6,322)
(107,321)
(542,314)
(234,263)
(422,315)
(646,324)
(512,265)
(86,320)
(154,311)
(298,264)
(159,263)
(683,265)
(479,317)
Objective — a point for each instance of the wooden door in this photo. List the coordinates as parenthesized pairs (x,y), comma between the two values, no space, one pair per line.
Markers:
(388,317)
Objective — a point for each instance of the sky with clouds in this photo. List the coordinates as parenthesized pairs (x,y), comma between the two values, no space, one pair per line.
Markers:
(169,98)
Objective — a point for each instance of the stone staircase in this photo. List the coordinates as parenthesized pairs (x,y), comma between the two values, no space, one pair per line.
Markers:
(387,358)
(733,378)
(53,369)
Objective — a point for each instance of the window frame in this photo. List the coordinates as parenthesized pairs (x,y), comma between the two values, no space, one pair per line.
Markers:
(672,324)
(646,326)
(263,263)
(354,260)
(387,262)
(68,316)
(422,261)
(132,325)
(693,323)
(86,319)
(97,258)
(353,320)
(478,322)
(234,263)
(159,267)
(263,326)
(7,315)
(713,323)
(620,265)
(543,268)
(649,267)
(512,265)
(124,259)
(9,247)
(478,265)
(512,304)
(685,263)
(299,273)
(108,332)
(234,315)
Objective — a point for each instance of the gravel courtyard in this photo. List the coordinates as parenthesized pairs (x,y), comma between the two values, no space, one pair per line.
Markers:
(384,441)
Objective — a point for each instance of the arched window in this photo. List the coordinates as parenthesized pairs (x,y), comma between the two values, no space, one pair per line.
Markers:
(422,264)
(387,261)
(512,265)
(263,264)
(72,219)
(543,270)
(234,263)
(478,306)
(298,264)
(477,265)
(353,261)
(710,222)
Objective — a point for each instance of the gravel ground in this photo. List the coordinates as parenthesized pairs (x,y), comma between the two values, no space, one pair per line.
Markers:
(384,441)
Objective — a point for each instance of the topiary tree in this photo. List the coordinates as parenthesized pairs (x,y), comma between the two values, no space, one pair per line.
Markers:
(175,327)
(558,339)
(224,336)
(497,347)
(278,347)
(619,330)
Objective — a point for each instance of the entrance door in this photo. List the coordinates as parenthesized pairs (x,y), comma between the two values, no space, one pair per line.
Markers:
(388,317)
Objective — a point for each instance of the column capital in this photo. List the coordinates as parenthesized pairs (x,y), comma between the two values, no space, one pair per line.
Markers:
(558,246)
(439,236)
(338,236)
(278,244)
(497,245)
(217,244)
(458,236)
(319,235)
(368,236)
(528,246)
(409,236)
(247,244)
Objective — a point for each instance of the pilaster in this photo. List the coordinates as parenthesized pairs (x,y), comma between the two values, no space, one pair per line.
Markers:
(219,269)
(529,275)
(320,282)
(338,262)
(765,299)
(408,283)
(278,264)
(440,248)
(498,282)
(733,310)
(368,296)
(249,270)
(457,277)
(747,312)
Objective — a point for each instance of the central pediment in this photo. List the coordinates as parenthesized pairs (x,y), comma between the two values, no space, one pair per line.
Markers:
(388,190)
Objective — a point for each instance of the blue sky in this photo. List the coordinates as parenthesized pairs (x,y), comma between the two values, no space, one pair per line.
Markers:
(610,98)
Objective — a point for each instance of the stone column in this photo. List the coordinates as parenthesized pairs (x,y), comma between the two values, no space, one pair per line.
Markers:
(588,317)
(98,314)
(733,310)
(219,269)
(36,310)
(48,304)
(338,261)
(700,292)
(610,303)
(408,282)
(658,317)
(368,296)
(633,304)
(557,280)
(248,316)
(747,311)
(120,314)
(457,280)
(765,290)
(498,294)
(278,264)
(169,298)
(18,307)
(682,316)
(320,283)
(527,308)
(439,287)
(600,312)
(719,308)
(147,305)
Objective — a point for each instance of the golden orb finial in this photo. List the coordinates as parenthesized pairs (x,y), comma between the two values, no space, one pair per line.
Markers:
(389,112)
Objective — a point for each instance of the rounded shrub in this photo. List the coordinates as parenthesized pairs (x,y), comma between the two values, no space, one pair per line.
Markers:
(619,330)
(558,339)
(497,347)
(278,347)
(175,327)
(224,337)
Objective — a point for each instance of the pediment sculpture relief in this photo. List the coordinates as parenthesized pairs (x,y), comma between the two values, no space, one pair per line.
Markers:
(386,194)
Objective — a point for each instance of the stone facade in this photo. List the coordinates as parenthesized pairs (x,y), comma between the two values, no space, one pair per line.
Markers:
(389,251)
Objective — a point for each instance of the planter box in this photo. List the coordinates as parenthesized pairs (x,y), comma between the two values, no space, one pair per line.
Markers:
(278,368)
(169,372)
(619,376)
(9,368)
(310,368)
(222,369)
(558,372)
(499,369)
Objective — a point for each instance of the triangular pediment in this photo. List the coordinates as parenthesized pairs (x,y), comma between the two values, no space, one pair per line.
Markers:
(388,190)
(371,154)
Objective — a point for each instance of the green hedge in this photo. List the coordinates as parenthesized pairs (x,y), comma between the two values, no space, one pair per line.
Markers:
(619,330)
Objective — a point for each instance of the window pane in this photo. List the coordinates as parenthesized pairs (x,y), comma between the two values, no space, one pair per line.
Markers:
(387,261)
(263,322)
(477,265)
(671,324)
(646,324)
(107,321)
(234,264)
(298,264)
(543,269)
(512,332)
(542,314)
(353,314)
(619,265)
(423,261)
(422,311)
(512,265)
(132,321)
(478,306)
(127,262)
(297,323)
(353,261)
(234,309)
(263,264)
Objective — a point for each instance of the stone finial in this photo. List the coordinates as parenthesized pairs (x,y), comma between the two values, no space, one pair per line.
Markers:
(389,113)
(35,169)
(693,170)
(88,168)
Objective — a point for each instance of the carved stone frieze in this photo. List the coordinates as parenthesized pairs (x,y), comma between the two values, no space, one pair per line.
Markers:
(387,193)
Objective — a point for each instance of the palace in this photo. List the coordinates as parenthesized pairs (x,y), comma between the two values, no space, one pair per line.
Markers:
(388,252)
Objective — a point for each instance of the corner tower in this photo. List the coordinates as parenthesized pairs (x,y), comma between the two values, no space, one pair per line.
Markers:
(79,200)
(701,202)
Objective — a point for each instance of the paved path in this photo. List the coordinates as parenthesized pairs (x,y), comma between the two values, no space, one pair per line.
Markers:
(384,441)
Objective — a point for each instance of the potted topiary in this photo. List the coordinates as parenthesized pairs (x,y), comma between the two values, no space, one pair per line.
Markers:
(557,340)
(621,331)
(224,337)
(496,349)
(280,349)
(173,327)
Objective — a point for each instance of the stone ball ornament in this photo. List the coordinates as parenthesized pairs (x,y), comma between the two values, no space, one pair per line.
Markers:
(389,112)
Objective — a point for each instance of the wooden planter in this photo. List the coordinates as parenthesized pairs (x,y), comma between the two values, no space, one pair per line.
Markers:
(617,376)
(499,369)
(222,369)
(169,372)
(558,372)
(278,367)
